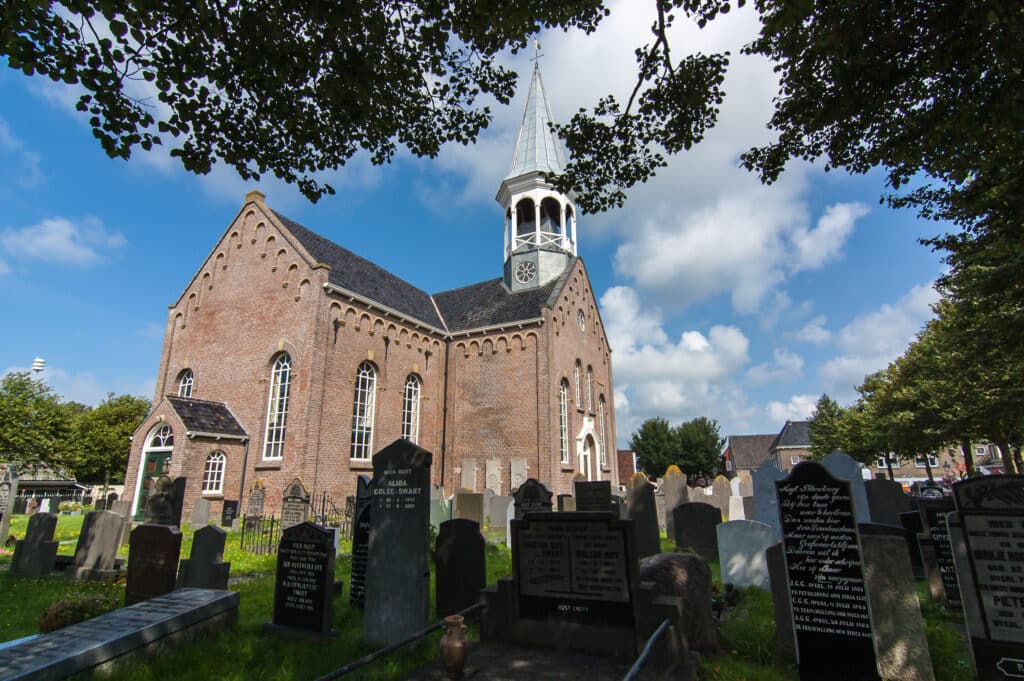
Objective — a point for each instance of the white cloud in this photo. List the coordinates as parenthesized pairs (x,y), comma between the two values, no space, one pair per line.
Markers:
(19,165)
(786,367)
(822,244)
(59,240)
(815,332)
(799,408)
(4,267)
(871,341)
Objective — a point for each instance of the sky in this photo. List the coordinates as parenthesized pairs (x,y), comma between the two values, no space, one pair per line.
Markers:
(721,297)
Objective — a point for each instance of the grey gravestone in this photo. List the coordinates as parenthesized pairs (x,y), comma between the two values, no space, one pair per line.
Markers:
(912,526)
(360,541)
(304,583)
(152,562)
(659,507)
(745,484)
(696,528)
(34,555)
(461,570)
(843,467)
(229,512)
(111,498)
(469,474)
(785,639)
(828,598)
(562,500)
(122,508)
(641,510)
(593,496)
(160,503)
(8,495)
(987,531)
(469,505)
(499,513)
(201,513)
(673,484)
(531,497)
(741,553)
(97,547)
(741,508)
(46,505)
(517,475)
(492,474)
(440,511)
(721,490)
(510,515)
(488,495)
(205,567)
(887,501)
(937,551)
(294,505)
(398,570)
(257,495)
(895,612)
(21,504)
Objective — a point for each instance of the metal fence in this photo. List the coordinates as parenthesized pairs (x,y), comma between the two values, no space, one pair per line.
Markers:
(260,534)
(327,514)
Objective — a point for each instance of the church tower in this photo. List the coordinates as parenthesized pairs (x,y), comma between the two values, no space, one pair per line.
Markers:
(540,223)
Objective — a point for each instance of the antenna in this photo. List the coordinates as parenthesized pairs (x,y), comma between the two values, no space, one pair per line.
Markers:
(537,54)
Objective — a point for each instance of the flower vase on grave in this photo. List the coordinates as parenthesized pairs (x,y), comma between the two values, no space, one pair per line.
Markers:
(454,646)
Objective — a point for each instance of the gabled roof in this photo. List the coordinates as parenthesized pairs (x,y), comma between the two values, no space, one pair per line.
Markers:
(537,147)
(749,451)
(203,416)
(489,303)
(794,434)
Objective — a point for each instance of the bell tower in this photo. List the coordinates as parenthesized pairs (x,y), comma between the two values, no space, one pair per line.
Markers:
(540,222)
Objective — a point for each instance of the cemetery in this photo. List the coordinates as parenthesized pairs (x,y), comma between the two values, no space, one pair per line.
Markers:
(414,585)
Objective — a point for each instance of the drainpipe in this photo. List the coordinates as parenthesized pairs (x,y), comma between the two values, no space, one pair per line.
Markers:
(444,410)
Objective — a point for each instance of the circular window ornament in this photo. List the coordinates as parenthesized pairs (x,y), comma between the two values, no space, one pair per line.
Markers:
(525,272)
(581,320)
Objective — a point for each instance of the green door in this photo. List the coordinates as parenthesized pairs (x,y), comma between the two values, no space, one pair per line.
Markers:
(157,464)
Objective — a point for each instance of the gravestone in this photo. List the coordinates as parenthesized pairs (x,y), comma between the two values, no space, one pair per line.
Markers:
(744,482)
(673,484)
(122,507)
(34,555)
(517,474)
(152,562)
(641,510)
(887,501)
(721,490)
(565,501)
(21,504)
(178,498)
(659,507)
(160,503)
(257,495)
(741,508)
(531,497)
(228,512)
(937,551)
(912,527)
(32,507)
(785,639)
(510,515)
(843,467)
(987,531)
(486,512)
(8,495)
(46,505)
(398,569)
(741,552)
(294,505)
(492,475)
(461,570)
(304,583)
(595,496)
(499,514)
(766,504)
(469,505)
(696,526)
(97,547)
(469,474)
(828,599)
(200,513)
(360,542)
(205,567)
(111,498)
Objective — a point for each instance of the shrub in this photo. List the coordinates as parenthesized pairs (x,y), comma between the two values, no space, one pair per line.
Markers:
(73,609)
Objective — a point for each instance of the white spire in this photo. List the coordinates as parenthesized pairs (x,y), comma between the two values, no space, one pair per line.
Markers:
(537,148)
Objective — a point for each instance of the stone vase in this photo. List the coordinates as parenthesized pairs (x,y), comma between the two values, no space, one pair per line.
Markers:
(454,646)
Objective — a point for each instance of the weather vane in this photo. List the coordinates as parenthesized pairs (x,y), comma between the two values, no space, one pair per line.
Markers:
(536,50)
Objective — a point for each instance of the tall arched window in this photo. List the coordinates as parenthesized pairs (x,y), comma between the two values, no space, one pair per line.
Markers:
(362,411)
(277,407)
(213,474)
(577,370)
(411,409)
(185,381)
(590,388)
(603,447)
(563,421)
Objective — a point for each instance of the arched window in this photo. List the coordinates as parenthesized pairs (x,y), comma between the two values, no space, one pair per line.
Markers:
(411,409)
(185,381)
(213,474)
(603,456)
(277,407)
(526,217)
(563,421)
(362,411)
(577,370)
(161,438)
(590,388)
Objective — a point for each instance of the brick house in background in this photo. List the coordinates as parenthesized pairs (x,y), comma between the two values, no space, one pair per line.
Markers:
(792,445)
(625,462)
(745,452)
(288,356)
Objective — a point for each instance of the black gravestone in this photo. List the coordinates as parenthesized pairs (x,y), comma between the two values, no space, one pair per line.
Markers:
(828,599)
(460,566)
(933,517)
(912,525)
(641,509)
(153,552)
(398,565)
(229,512)
(34,555)
(531,497)
(160,504)
(987,532)
(562,500)
(593,496)
(886,500)
(204,568)
(304,584)
(360,541)
(696,527)
(178,499)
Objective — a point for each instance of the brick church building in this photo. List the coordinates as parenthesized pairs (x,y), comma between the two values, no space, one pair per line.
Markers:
(288,356)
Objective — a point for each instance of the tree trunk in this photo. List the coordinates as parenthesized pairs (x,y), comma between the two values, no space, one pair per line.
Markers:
(888,464)
(965,447)
(928,468)
(1009,466)
(1017,459)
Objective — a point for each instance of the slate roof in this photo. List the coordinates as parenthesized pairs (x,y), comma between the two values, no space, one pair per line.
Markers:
(537,147)
(363,277)
(489,303)
(794,434)
(206,417)
(749,451)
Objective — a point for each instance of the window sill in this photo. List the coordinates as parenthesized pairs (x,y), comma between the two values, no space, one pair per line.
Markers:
(268,466)
(360,465)
(568,467)
(213,496)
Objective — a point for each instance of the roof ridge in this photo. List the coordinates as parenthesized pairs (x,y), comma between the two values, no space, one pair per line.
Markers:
(467,286)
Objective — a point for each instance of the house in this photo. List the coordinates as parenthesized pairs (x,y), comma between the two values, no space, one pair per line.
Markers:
(746,452)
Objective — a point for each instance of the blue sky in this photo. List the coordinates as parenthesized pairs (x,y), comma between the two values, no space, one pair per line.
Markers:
(721,297)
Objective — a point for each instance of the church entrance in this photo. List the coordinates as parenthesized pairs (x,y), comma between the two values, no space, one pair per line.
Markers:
(587,457)
(156,461)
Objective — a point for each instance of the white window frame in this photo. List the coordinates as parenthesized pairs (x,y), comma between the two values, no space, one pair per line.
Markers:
(880,461)
(563,421)
(577,370)
(933,461)
(411,409)
(364,403)
(794,460)
(186,381)
(603,447)
(213,473)
(277,408)
(590,389)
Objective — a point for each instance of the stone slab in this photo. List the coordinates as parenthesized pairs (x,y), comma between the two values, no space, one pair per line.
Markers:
(152,562)
(696,528)
(35,554)
(741,553)
(468,476)
(461,570)
(469,505)
(887,501)
(642,511)
(492,475)
(844,467)
(517,473)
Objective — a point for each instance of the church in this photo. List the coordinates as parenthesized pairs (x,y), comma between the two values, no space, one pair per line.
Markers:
(288,356)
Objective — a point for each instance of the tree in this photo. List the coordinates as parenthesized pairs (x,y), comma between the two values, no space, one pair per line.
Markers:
(700,447)
(100,443)
(826,427)
(33,425)
(655,445)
